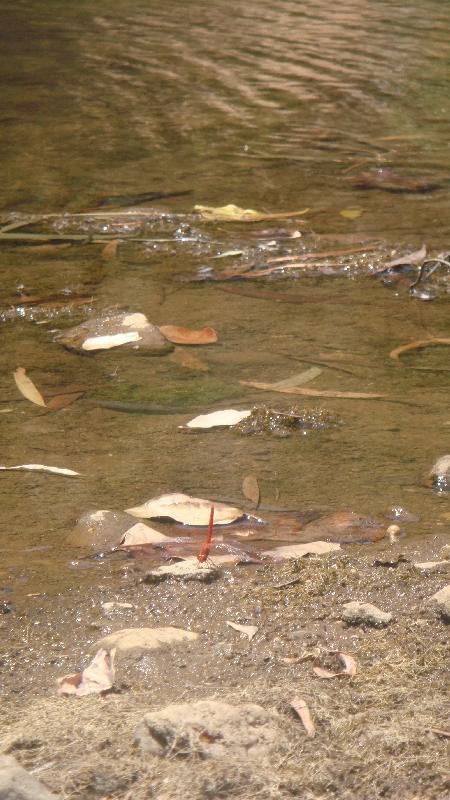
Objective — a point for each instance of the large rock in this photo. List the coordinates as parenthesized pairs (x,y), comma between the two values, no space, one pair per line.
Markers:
(211,729)
(17,784)
(116,330)
(365,614)
(130,639)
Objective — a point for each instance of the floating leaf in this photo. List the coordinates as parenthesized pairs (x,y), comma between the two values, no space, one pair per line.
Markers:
(274,387)
(129,639)
(418,345)
(179,335)
(304,714)
(106,342)
(250,489)
(96,678)
(249,630)
(142,534)
(349,666)
(26,387)
(226,417)
(42,468)
(300,550)
(232,213)
(351,213)
(186,509)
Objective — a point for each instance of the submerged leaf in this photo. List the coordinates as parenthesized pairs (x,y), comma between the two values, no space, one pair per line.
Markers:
(232,213)
(250,489)
(351,213)
(186,509)
(185,358)
(142,534)
(27,388)
(274,387)
(298,380)
(96,678)
(59,401)
(226,417)
(110,250)
(419,345)
(417,258)
(42,468)
(249,630)
(180,335)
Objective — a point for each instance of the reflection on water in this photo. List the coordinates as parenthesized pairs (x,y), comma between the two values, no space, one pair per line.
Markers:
(268,105)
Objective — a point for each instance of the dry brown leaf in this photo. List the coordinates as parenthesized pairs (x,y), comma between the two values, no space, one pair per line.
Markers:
(110,250)
(27,388)
(249,630)
(349,666)
(272,387)
(304,714)
(96,678)
(418,345)
(250,489)
(180,335)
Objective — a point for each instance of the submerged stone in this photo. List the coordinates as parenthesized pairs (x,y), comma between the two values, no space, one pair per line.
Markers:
(440,474)
(283,423)
(116,330)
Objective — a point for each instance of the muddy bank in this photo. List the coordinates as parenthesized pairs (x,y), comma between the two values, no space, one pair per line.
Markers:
(392,713)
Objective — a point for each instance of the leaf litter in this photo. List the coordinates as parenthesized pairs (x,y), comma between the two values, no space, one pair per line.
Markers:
(97,678)
(301,709)
(248,630)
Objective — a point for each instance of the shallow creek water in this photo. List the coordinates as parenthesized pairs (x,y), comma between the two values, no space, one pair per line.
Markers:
(269,106)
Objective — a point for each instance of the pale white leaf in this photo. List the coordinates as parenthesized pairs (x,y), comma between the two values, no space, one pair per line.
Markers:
(249,630)
(97,677)
(298,379)
(106,342)
(186,509)
(301,709)
(226,417)
(42,468)
(299,550)
(27,388)
(142,534)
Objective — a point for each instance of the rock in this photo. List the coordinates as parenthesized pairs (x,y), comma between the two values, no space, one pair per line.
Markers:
(440,474)
(300,550)
(101,530)
(17,784)
(445,552)
(211,729)
(118,330)
(365,614)
(433,566)
(345,527)
(129,639)
(188,570)
(442,600)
